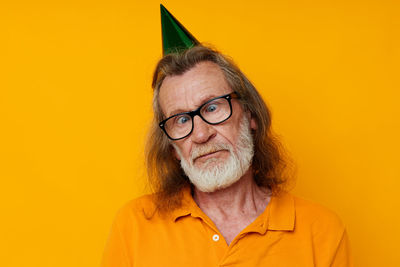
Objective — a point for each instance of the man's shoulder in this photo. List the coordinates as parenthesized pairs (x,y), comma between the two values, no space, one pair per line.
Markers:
(144,201)
(139,207)
(315,214)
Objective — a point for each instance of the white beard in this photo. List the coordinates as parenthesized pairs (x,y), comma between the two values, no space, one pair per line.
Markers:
(215,174)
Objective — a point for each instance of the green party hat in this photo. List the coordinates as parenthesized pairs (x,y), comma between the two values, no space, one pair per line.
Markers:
(175,37)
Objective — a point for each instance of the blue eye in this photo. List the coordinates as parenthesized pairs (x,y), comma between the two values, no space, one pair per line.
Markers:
(182,119)
(211,108)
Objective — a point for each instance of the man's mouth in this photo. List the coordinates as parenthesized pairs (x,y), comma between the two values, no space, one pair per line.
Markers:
(208,154)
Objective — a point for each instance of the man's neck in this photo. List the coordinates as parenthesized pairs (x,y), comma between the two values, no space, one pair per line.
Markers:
(242,199)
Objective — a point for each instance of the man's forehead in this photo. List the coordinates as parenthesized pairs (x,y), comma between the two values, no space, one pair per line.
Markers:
(202,70)
(187,91)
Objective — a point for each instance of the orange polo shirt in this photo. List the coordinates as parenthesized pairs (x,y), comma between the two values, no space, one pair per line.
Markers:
(290,232)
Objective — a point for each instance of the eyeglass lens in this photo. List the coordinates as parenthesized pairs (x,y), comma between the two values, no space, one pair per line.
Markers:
(212,112)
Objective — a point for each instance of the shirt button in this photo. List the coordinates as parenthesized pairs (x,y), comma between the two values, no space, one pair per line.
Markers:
(215,238)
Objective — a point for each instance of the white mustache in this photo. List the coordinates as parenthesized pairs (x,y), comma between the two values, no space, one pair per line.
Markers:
(207,149)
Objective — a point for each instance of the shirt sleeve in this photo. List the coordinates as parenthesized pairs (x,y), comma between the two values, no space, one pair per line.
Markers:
(117,252)
(330,240)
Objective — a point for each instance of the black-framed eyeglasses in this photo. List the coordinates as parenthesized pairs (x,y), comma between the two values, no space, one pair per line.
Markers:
(214,111)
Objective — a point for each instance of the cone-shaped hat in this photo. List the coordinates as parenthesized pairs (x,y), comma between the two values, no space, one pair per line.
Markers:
(175,37)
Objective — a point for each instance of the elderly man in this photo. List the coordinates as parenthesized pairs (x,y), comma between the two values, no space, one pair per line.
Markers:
(218,177)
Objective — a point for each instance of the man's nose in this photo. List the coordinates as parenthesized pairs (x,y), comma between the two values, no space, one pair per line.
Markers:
(202,131)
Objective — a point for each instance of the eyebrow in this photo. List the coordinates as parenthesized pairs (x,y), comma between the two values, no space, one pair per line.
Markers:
(202,101)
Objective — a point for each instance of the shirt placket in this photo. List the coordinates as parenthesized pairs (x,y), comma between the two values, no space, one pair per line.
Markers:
(258,226)
(214,238)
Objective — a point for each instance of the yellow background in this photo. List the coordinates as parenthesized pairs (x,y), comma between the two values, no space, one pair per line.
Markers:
(75,106)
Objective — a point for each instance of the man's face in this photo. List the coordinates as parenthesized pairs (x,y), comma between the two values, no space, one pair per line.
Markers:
(208,146)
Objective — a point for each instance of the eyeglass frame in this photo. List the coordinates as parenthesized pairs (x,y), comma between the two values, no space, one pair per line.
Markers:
(195,112)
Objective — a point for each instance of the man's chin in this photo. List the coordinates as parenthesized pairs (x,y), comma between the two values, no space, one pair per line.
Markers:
(214,187)
(208,164)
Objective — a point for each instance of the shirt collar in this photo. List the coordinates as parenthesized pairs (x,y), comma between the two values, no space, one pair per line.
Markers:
(282,212)
(188,206)
(278,216)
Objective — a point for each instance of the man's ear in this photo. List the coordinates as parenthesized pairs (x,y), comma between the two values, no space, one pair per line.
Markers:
(253,123)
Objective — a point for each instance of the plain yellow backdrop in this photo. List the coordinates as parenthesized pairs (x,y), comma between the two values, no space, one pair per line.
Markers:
(75,107)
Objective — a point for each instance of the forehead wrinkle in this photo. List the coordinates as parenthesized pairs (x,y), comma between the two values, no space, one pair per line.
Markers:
(174,106)
(201,101)
(194,88)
